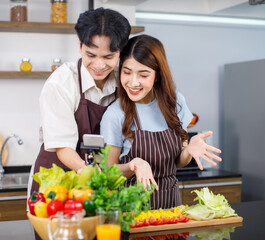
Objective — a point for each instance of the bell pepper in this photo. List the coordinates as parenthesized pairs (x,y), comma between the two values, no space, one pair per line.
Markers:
(90,208)
(71,206)
(80,194)
(41,210)
(58,192)
(35,197)
(54,207)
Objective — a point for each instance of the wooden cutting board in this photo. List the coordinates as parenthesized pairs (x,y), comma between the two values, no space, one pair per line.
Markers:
(5,152)
(189,224)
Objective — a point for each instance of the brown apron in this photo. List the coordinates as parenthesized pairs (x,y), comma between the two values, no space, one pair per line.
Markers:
(88,116)
(160,150)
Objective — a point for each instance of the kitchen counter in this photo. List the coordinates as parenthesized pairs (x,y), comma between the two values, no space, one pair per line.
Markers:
(252,228)
(15,179)
(210,173)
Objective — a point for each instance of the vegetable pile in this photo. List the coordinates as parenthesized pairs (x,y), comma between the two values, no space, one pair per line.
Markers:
(159,217)
(210,206)
(92,189)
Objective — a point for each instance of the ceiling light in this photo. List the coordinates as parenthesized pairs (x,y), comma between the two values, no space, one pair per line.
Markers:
(198,18)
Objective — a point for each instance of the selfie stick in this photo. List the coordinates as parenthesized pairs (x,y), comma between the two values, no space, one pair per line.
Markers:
(89,152)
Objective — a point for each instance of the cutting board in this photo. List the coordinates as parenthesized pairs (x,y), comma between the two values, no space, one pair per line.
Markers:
(189,224)
(5,152)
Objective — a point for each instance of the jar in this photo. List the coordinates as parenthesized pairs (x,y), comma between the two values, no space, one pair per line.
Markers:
(56,63)
(58,11)
(18,10)
(25,65)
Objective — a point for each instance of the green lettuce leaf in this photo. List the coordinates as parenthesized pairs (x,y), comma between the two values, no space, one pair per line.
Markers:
(209,206)
(55,176)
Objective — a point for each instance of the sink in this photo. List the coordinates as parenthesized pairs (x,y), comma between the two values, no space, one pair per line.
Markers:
(14,180)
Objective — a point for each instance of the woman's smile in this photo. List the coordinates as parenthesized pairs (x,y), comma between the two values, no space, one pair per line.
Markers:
(134,91)
(138,81)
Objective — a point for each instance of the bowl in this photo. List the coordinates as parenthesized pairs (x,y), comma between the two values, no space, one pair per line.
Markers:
(41,226)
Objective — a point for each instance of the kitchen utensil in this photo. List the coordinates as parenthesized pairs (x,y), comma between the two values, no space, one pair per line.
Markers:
(41,226)
(5,151)
(187,225)
(69,226)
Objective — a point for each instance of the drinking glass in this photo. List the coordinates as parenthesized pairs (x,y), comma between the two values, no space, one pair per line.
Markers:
(108,224)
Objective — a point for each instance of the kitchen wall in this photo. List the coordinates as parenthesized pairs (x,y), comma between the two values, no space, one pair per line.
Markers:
(196,53)
(19,107)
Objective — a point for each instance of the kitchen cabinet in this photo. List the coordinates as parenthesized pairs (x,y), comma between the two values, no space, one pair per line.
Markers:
(13,205)
(229,187)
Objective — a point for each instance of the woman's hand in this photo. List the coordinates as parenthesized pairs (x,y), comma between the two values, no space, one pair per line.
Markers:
(143,172)
(197,148)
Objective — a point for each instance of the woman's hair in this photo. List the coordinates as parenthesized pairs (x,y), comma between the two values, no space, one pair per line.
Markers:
(150,52)
(105,22)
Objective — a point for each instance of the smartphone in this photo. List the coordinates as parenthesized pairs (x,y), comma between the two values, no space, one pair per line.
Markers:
(92,140)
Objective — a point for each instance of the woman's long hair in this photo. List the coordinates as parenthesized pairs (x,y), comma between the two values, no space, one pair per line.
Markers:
(150,52)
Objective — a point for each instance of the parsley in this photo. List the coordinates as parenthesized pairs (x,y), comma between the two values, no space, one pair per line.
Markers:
(109,191)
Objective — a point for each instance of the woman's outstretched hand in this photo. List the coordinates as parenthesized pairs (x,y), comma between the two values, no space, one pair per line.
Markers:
(197,148)
(143,172)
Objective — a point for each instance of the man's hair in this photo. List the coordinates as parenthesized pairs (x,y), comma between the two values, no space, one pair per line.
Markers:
(104,22)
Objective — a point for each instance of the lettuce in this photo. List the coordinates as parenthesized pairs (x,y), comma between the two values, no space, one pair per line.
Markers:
(54,176)
(210,206)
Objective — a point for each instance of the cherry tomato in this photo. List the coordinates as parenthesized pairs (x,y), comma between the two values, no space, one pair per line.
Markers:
(152,220)
(183,218)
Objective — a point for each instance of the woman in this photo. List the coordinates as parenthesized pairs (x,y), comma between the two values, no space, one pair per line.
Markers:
(145,126)
(76,95)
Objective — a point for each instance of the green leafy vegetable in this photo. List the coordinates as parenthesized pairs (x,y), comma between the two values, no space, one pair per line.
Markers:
(54,176)
(105,184)
(210,206)
(85,176)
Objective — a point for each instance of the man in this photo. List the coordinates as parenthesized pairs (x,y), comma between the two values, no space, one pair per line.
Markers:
(76,95)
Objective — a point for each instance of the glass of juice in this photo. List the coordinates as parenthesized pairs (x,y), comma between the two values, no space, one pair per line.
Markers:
(108,226)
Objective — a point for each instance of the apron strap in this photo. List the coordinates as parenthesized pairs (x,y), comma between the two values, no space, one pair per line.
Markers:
(137,121)
(79,78)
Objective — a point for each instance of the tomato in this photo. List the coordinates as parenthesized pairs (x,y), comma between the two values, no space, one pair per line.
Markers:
(175,219)
(72,206)
(54,207)
(152,221)
(132,225)
(138,223)
(145,222)
(183,218)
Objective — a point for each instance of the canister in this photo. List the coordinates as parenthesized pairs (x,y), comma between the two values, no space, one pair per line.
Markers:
(18,10)
(58,11)
(25,65)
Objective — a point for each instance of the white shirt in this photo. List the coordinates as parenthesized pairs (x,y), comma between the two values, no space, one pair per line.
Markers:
(59,100)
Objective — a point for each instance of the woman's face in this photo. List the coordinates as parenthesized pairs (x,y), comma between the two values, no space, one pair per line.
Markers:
(98,59)
(138,81)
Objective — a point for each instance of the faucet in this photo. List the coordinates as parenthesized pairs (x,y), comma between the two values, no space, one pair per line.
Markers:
(19,141)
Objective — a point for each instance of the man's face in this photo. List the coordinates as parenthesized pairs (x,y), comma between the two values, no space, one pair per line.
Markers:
(98,59)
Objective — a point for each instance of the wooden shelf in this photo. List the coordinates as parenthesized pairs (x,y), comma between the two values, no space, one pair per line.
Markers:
(24,75)
(39,27)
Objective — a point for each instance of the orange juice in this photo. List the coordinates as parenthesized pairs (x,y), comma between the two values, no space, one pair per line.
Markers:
(108,231)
